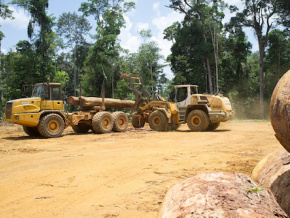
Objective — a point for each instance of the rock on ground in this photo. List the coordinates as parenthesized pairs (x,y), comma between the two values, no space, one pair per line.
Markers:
(273,172)
(219,195)
(280,111)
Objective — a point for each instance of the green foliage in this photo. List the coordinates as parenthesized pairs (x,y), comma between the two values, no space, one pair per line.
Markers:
(61,77)
(204,52)
(5,12)
(255,190)
(102,61)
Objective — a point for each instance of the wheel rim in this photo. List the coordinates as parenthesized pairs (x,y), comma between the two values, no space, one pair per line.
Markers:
(156,121)
(121,122)
(195,121)
(106,123)
(53,126)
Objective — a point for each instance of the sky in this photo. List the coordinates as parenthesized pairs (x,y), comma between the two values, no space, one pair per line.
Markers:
(148,14)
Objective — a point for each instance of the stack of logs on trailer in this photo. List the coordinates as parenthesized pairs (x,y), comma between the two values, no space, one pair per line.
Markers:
(92,114)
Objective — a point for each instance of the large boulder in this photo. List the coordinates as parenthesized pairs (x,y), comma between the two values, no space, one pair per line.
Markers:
(280,111)
(219,195)
(273,173)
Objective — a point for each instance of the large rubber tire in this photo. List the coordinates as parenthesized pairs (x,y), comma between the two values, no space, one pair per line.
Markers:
(197,121)
(51,126)
(102,122)
(120,121)
(158,121)
(31,131)
(213,126)
(81,128)
(136,124)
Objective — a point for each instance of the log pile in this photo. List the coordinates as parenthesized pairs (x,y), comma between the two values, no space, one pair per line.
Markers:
(219,195)
(273,173)
(280,111)
(93,102)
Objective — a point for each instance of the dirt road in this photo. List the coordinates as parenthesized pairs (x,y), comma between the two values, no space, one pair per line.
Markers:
(118,174)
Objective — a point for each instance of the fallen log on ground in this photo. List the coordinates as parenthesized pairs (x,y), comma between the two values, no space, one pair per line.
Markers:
(90,102)
(273,173)
(280,111)
(219,195)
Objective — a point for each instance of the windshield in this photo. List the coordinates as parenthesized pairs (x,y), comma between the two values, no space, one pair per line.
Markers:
(38,91)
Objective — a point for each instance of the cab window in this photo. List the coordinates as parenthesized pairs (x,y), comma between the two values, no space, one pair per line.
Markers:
(181,94)
(193,90)
(56,93)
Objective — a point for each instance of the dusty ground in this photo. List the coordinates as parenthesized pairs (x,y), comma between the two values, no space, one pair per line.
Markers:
(118,174)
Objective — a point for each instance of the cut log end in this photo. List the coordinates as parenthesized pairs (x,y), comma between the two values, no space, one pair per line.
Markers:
(280,111)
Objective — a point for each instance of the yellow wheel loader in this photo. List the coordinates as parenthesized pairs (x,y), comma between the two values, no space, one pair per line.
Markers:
(201,112)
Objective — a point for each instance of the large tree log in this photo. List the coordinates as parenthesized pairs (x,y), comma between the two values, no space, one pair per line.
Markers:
(280,111)
(219,195)
(273,172)
(89,102)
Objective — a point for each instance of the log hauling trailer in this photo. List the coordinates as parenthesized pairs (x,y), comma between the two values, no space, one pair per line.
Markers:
(43,113)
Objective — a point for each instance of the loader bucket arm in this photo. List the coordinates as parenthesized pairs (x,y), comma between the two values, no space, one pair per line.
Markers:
(141,95)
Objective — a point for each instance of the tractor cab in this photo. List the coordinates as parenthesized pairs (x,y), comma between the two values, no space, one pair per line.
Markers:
(50,94)
(183,98)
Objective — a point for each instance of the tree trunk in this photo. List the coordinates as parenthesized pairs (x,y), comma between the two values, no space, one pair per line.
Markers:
(75,73)
(261,63)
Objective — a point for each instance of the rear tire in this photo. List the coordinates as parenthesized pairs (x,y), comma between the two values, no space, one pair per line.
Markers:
(120,121)
(81,128)
(102,122)
(213,126)
(136,124)
(158,121)
(31,131)
(51,126)
(197,121)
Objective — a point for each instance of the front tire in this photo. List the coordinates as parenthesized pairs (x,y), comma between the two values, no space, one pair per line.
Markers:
(135,122)
(51,126)
(102,122)
(158,121)
(31,131)
(213,126)
(197,121)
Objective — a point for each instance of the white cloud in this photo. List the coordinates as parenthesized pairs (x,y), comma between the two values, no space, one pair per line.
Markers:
(20,21)
(128,41)
(156,6)
(142,26)
(162,23)
(4,51)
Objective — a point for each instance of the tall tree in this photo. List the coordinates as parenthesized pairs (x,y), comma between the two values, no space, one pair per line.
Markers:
(100,61)
(5,13)
(258,15)
(210,16)
(74,28)
(40,33)
(188,53)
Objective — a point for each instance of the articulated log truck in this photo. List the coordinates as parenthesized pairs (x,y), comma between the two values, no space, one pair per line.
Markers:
(43,113)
